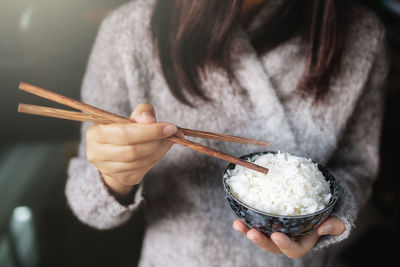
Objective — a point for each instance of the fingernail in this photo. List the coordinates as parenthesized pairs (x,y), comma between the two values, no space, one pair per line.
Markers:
(146,117)
(325,230)
(253,238)
(279,242)
(169,130)
(234,226)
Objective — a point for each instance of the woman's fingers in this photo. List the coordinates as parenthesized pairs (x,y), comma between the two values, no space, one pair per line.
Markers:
(144,113)
(124,152)
(332,226)
(106,152)
(144,130)
(116,167)
(255,236)
(128,173)
(241,227)
(262,241)
(129,133)
(293,248)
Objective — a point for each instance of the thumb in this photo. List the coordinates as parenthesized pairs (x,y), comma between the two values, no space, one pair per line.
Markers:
(144,113)
(332,226)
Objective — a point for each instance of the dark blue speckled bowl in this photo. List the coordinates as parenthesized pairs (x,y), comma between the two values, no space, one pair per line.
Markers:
(268,223)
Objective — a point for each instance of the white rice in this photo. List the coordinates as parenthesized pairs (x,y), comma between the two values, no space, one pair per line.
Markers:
(293,185)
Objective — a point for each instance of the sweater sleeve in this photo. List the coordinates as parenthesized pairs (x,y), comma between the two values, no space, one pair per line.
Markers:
(104,86)
(355,163)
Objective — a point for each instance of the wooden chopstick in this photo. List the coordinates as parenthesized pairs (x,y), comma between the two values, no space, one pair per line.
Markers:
(217,154)
(79,116)
(116,118)
(223,137)
(101,116)
(71,102)
(60,113)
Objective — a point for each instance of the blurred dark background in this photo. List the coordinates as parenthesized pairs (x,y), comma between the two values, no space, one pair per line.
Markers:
(47,43)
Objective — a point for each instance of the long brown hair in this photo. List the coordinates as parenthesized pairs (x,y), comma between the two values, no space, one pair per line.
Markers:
(191,34)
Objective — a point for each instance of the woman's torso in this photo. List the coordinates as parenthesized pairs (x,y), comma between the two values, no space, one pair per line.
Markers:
(188,219)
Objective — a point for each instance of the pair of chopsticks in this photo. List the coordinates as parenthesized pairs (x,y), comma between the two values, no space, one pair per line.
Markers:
(97,115)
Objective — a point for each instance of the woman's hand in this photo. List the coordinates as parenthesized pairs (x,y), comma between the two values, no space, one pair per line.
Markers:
(123,153)
(292,247)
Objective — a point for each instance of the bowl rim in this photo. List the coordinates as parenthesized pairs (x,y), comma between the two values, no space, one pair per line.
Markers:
(330,205)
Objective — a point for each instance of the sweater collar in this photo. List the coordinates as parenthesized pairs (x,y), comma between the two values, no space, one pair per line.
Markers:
(251,74)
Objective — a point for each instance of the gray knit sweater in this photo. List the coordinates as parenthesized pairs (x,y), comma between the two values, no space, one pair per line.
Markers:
(188,220)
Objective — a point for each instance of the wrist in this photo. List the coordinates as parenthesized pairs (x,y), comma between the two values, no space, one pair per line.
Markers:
(119,190)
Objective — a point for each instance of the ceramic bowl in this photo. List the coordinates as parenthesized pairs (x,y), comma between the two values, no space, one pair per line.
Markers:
(268,223)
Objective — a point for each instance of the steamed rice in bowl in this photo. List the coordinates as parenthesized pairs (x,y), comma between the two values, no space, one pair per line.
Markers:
(293,186)
(296,196)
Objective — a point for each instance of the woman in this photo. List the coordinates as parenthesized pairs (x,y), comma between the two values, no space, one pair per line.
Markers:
(305,75)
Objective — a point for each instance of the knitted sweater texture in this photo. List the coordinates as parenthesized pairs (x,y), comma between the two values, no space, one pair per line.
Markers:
(188,221)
